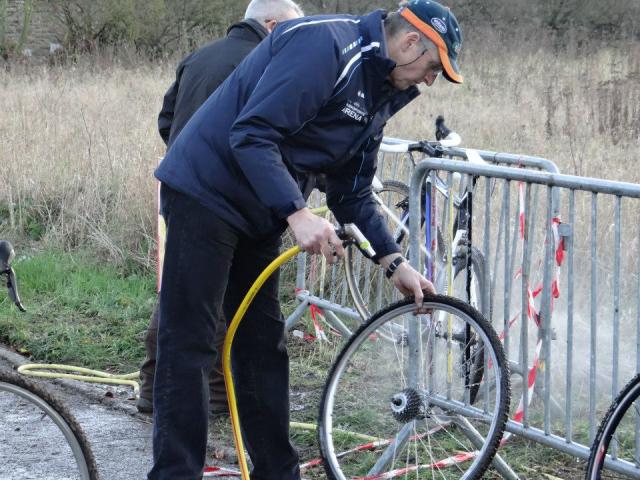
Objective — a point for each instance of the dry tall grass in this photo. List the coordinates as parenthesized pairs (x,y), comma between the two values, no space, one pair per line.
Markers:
(578,105)
(79,144)
(78,150)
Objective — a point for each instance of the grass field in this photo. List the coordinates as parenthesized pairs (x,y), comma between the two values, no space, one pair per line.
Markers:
(78,311)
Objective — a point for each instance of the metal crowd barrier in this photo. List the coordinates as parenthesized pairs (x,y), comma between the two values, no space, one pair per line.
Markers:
(324,292)
(315,285)
(565,270)
(560,249)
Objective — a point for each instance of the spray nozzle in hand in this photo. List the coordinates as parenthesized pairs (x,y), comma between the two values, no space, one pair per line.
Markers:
(351,234)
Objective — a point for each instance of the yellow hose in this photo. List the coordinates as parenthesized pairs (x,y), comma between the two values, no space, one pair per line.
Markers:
(226,352)
(83,374)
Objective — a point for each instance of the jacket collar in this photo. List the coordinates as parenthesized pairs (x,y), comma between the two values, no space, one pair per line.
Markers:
(249,26)
(373,37)
(377,64)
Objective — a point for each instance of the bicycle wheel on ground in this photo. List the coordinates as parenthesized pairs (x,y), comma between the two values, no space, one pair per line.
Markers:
(39,437)
(617,437)
(402,407)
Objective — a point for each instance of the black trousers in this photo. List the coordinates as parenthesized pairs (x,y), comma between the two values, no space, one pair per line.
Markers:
(208,268)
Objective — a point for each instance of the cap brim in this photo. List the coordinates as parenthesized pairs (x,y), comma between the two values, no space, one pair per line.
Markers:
(449,67)
(450,71)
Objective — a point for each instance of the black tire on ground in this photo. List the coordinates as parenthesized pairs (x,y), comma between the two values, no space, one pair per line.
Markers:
(30,389)
(602,441)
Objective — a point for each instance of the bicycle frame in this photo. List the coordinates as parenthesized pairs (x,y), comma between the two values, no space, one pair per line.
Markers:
(440,274)
(441,281)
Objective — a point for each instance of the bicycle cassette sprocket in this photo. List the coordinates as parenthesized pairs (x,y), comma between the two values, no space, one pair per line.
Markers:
(407,405)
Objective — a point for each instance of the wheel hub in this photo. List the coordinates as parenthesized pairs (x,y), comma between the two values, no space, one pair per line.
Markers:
(407,405)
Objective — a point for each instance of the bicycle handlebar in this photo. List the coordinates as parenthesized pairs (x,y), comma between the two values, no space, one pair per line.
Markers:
(451,140)
(445,138)
(7,255)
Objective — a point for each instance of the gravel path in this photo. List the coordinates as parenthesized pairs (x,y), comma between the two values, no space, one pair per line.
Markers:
(120,437)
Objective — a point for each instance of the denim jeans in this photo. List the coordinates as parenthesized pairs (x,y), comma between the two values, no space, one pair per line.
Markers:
(208,268)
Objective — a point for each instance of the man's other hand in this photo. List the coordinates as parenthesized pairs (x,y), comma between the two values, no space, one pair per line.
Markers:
(408,280)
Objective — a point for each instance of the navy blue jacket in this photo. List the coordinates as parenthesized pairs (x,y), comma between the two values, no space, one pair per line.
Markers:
(311,98)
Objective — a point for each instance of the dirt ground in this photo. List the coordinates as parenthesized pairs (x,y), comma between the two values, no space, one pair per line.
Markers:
(120,437)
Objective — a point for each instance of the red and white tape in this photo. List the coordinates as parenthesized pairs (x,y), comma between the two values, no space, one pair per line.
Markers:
(532,311)
(210,472)
(439,465)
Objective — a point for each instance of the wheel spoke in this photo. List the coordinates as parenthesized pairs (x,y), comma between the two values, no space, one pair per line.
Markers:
(375,389)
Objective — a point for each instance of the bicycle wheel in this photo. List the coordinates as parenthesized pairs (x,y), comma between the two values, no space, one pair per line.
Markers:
(367,284)
(391,409)
(617,435)
(40,438)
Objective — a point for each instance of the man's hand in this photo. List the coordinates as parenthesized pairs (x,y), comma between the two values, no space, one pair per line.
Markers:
(315,235)
(407,280)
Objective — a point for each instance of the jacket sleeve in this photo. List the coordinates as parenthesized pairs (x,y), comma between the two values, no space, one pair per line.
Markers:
(349,198)
(165,117)
(296,83)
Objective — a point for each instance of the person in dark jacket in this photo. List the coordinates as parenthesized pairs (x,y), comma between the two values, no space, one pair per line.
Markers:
(197,76)
(312,98)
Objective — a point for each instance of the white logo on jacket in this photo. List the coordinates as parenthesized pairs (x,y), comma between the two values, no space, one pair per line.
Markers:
(354,110)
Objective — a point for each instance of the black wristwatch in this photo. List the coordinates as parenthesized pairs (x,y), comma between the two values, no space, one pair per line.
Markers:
(393,266)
